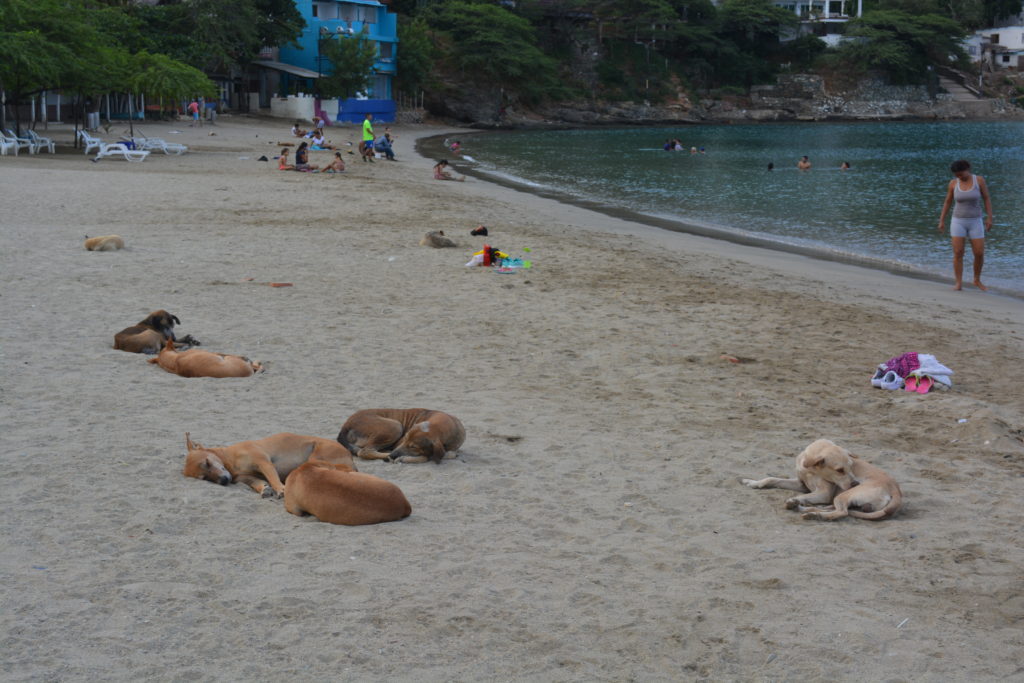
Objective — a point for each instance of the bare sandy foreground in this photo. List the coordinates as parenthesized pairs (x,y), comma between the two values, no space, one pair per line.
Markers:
(593,527)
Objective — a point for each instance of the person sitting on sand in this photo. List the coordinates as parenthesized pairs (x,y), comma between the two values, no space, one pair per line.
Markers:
(336,165)
(804,164)
(297,131)
(318,141)
(282,161)
(441,172)
(302,159)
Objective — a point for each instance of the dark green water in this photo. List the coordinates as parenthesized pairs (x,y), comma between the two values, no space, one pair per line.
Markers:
(885,207)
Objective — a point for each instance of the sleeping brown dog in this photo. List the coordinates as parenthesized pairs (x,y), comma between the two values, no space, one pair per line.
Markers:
(830,474)
(149,335)
(262,464)
(104,243)
(412,435)
(334,493)
(197,363)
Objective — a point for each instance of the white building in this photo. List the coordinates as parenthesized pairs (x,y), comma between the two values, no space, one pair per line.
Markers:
(1000,47)
(824,18)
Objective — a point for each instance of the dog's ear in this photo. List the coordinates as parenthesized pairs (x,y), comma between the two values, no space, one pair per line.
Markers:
(174,318)
(814,460)
(188,442)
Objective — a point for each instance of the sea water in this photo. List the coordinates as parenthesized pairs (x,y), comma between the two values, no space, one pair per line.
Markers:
(884,209)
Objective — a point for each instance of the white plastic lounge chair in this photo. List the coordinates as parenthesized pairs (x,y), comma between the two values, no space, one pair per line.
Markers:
(117,149)
(27,143)
(8,145)
(90,142)
(155,144)
(41,142)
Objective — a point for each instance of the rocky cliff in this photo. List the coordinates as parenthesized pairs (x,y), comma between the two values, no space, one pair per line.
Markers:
(796,97)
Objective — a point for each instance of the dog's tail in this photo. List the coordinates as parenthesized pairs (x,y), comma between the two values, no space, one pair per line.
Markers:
(894,504)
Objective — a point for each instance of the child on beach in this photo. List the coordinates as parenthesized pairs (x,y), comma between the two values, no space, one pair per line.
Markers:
(282,161)
(336,166)
(302,159)
(441,172)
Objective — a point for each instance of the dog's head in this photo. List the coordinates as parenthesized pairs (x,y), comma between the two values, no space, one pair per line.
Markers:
(830,462)
(162,321)
(203,463)
(420,441)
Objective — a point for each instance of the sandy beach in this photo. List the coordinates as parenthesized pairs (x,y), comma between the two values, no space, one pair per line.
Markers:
(592,528)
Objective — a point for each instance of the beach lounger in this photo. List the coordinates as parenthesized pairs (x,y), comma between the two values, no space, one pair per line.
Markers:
(42,142)
(90,142)
(118,149)
(155,144)
(8,145)
(27,143)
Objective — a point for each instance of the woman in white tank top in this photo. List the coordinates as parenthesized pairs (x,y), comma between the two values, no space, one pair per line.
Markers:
(967,193)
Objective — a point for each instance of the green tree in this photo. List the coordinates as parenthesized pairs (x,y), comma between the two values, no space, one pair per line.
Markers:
(415,55)
(351,59)
(754,27)
(489,44)
(904,45)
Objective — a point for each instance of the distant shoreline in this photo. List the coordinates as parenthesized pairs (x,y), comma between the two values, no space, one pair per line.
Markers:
(432,147)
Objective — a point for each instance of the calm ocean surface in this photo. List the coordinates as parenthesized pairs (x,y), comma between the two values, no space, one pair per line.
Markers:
(886,207)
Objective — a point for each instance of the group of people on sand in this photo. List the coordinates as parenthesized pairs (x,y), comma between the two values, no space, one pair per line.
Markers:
(674,145)
(313,139)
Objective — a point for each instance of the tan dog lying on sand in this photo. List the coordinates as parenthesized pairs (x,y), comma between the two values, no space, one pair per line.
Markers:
(334,493)
(150,334)
(436,239)
(197,363)
(824,468)
(105,243)
(413,434)
(262,464)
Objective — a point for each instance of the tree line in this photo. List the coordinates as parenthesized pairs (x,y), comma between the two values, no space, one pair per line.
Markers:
(651,49)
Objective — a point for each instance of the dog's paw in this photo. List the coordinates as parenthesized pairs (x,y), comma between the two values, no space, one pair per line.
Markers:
(267,492)
(811,514)
(793,503)
(752,483)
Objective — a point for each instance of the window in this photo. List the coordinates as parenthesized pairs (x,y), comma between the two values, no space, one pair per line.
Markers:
(1006,59)
(316,10)
(972,50)
(386,50)
(994,39)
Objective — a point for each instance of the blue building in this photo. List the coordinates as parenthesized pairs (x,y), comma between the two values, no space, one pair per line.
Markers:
(299,65)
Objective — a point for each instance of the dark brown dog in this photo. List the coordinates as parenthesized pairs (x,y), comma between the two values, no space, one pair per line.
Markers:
(412,435)
(334,493)
(150,334)
(262,464)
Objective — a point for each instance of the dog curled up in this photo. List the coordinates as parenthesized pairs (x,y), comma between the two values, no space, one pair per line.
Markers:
(336,494)
(436,239)
(150,334)
(197,363)
(262,464)
(836,484)
(411,435)
(104,243)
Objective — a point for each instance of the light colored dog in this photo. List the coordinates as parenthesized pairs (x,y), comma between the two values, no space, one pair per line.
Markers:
(413,434)
(830,474)
(105,243)
(436,239)
(334,493)
(262,464)
(197,363)
(150,334)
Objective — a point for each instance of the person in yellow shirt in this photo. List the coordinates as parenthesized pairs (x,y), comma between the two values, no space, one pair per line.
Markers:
(366,146)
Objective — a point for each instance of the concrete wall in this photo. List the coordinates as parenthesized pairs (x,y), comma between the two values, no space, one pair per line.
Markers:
(294,108)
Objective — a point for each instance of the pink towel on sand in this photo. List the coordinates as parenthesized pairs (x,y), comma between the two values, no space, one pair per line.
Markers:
(903,365)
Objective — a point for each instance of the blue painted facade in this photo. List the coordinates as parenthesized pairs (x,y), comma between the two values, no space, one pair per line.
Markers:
(337,20)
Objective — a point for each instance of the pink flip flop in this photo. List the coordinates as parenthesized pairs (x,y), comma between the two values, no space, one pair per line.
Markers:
(924,384)
(911,383)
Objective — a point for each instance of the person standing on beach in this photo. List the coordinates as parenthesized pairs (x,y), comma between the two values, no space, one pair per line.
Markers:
(193,109)
(366,149)
(966,192)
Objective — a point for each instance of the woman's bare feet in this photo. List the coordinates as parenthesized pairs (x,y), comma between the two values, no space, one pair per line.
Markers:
(977,283)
